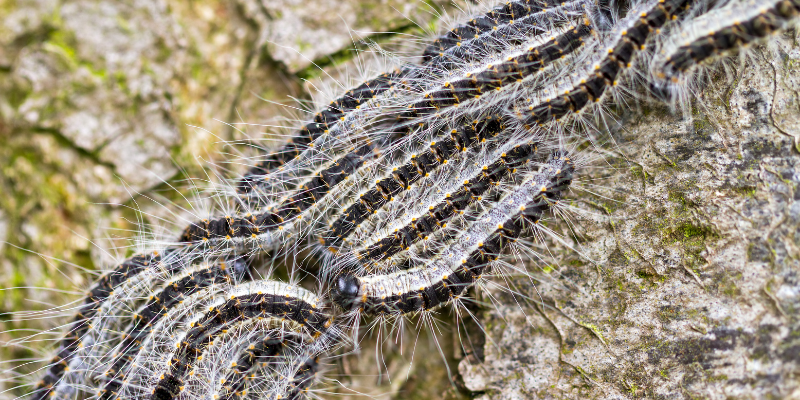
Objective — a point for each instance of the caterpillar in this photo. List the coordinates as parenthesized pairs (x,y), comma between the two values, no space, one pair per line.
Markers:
(322,122)
(115,293)
(262,304)
(450,48)
(254,226)
(318,187)
(421,165)
(410,78)
(72,340)
(494,19)
(252,361)
(724,29)
(174,292)
(446,277)
(633,33)
(437,217)
(233,229)
(264,349)
(464,138)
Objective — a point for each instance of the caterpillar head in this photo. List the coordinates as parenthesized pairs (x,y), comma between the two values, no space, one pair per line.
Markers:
(346,290)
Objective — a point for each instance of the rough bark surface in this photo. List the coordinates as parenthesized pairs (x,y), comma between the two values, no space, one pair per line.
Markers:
(688,281)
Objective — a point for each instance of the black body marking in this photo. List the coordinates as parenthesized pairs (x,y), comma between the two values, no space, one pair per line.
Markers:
(403,177)
(491,21)
(510,24)
(510,71)
(252,225)
(323,121)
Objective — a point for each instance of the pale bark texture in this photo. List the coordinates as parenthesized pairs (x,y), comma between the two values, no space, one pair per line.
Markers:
(679,275)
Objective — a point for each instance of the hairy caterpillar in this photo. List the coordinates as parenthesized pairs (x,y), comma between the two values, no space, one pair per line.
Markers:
(447,276)
(264,349)
(251,227)
(72,340)
(501,15)
(495,27)
(402,177)
(176,291)
(320,153)
(465,138)
(318,187)
(438,215)
(322,122)
(237,309)
(550,115)
(260,305)
(632,35)
(722,30)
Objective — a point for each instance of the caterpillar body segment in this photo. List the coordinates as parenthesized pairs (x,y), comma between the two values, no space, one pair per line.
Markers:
(99,292)
(509,143)
(577,99)
(100,331)
(499,78)
(726,29)
(514,70)
(246,227)
(471,54)
(474,132)
(322,122)
(109,296)
(420,227)
(717,33)
(291,382)
(636,29)
(256,353)
(419,165)
(300,307)
(250,360)
(462,39)
(411,80)
(178,340)
(448,276)
(178,274)
(178,290)
(303,378)
(409,207)
(475,27)
(502,22)
(295,213)
(152,350)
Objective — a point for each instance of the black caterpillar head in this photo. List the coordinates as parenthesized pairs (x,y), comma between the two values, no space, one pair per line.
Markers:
(345,291)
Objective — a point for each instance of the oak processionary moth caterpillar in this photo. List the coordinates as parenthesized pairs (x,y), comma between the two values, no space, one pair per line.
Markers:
(447,277)
(410,186)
